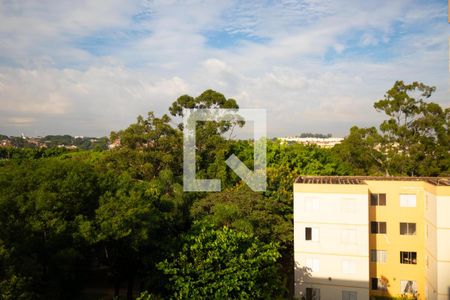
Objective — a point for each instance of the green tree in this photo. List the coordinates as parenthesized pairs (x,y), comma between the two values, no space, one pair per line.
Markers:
(223,264)
(361,151)
(40,202)
(413,140)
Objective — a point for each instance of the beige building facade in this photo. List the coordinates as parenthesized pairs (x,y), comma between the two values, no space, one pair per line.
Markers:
(357,237)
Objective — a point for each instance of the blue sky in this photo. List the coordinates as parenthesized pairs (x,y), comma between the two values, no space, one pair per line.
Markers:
(89,67)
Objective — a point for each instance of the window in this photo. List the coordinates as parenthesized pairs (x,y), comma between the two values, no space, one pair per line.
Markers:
(349,295)
(378,227)
(378,199)
(407,257)
(379,256)
(408,287)
(311,204)
(378,284)
(408,228)
(313,264)
(312,234)
(407,200)
(312,294)
(348,267)
(348,236)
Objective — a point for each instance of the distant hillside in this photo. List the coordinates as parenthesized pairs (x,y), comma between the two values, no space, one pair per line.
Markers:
(51,141)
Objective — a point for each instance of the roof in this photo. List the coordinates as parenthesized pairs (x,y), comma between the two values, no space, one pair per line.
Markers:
(440,181)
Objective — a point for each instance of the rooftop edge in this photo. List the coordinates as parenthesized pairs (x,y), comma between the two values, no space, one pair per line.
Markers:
(438,181)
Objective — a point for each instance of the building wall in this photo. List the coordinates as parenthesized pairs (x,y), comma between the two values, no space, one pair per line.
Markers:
(443,243)
(333,209)
(341,249)
(393,272)
(430,243)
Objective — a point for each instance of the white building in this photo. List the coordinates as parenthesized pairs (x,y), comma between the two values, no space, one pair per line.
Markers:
(357,237)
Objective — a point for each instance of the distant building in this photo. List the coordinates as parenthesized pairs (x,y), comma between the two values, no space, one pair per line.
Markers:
(321,142)
(357,237)
(68,147)
(114,144)
(5,143)
(36,142)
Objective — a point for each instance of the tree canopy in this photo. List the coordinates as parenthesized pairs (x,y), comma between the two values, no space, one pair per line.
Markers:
(117,221)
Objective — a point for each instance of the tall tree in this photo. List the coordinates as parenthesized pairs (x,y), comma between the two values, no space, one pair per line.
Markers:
(413,140)
(223,264)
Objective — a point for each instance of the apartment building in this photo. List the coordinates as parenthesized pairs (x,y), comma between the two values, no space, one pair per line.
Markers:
(360,237)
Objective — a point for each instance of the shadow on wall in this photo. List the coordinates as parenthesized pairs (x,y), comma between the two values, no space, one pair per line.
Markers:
(301,275)
(303,280)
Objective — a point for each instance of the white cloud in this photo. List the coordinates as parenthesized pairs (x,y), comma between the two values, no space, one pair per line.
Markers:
(56,85)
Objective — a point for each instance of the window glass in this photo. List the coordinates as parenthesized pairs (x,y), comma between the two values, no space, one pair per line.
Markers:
(407,228)
(407,257)
(378,199)
(403,229)
(308,233)
(408,286)
(379,256)
(312,294)
(373,199)
(374,283)
(349,295)
(373,227)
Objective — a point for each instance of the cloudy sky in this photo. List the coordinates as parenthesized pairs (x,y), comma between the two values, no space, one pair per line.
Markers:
(89,67)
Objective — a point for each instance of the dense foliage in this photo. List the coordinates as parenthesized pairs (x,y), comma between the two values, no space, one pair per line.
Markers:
(95,224)
(413,141)
(223,264)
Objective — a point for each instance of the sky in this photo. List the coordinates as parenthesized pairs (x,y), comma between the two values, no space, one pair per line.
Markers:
(90,67)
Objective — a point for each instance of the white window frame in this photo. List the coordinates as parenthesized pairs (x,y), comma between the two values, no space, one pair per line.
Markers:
(313,263)
(348,236)
(349,295)
(378,256)
(408,230)
(315,234)
(408,200)
(348,266)
(403,284)
(311,204)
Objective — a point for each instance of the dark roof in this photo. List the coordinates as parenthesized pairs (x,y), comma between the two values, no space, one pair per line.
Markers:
(441,181)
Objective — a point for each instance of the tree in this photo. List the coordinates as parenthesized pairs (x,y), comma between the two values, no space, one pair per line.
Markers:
(246,211)
(223,264)
(361,151)
(40,202)
(133,226)
(413,140)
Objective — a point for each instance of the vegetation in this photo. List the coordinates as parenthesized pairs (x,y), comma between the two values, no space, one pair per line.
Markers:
(55,141)
(414,140)
(117,223)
